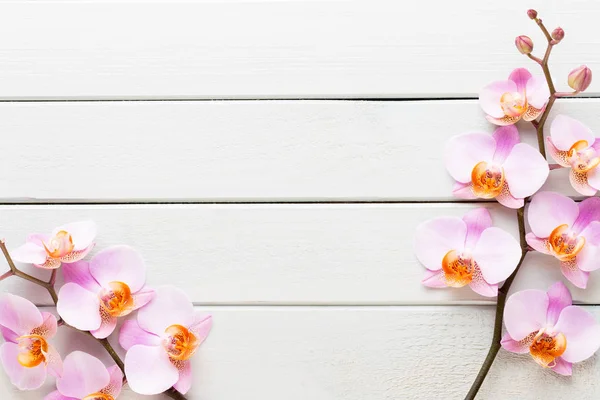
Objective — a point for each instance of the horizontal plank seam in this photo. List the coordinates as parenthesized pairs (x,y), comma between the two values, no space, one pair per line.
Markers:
(346,305)
(231,202)
(266,99)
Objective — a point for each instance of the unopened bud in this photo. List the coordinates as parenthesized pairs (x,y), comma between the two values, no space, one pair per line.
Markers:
(558,34)
(580,78)
(532,14)
(524,44)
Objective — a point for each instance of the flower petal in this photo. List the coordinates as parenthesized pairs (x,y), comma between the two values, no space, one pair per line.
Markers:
(532,113)
(481,287)
(116,382)
(588,259)
(131,334)
(589,211)
(79,273)
(82,233)
(572,272)
(143,297)
(520,77)
(170,306)
(76,255)
(149,370)
(107,326)
(525,170)
(549,210)
(29,253)
(537,92)
(525,312)
(559,297)
(23,378)
(497,253)
(504,121)
(579,181)
(119,263)
(54,362)
(463,191)
(83,374)
(560,156)
(49,327)
(507,199)
(184,383)
(465,151)
(506,138)
(566,131)
(436,237)
(434,279)
(477,221)
(593,178)
(519,347)
(19,314)
(541,245)
(582,332)
(57,396)
(8,335)
(79,307)
(562,367)
(201,325)
(490,95)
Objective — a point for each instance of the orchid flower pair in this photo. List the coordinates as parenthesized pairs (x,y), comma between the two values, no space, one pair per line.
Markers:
(159,344)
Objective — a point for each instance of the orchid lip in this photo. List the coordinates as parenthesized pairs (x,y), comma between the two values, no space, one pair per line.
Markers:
(179,343)
(513,104)
(32,350)
(116,301)
(458,268)
(565,244)
(546,347)
(98,396)
(488,180)
(581,157)
(59,245)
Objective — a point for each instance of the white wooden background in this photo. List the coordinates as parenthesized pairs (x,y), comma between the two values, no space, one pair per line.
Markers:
(286,208)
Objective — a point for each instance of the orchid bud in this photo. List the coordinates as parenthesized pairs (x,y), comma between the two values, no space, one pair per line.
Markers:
(558,34)
(524,44)
(580,78)
(532,14)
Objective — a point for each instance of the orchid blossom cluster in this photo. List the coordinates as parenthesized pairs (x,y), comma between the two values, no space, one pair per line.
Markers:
(470,251)
(159,341)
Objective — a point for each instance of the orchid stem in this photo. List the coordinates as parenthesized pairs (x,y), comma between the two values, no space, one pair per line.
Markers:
(501,302)
(503,291)
(49,286)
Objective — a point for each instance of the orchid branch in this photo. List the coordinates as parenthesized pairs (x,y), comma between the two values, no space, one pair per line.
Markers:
(49,286)
(553,39)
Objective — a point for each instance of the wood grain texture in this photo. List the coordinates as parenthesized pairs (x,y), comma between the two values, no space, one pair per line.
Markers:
(242,151)
(339,353)
(278,254)
(270,49)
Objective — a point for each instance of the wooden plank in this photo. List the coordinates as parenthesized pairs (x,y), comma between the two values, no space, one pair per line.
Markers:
(278,254)
(376,353)
(241,151)
(273,49)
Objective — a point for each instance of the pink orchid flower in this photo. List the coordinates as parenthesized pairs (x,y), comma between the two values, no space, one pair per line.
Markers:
(568,231)
(546,325)
(161,342)
(495,166)
(27,356)
(573,145)
(84,377)
(95,294)
(466,251)
(520,96)
(67,244)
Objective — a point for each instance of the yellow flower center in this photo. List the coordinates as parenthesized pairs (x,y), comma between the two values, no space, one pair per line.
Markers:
(98,396)
(59,245)
(117,301)
(513,104)
(545,348)
(180,343)
(487,180)
(565,244)
(458,269)
(32,350)
(581,157)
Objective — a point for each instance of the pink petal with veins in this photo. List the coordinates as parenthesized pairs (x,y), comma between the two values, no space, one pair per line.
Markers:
(490,95)
(436,237)
(464,152)
(549,210)
(566,131)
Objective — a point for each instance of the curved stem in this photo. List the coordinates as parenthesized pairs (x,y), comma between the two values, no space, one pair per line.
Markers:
(49,286)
